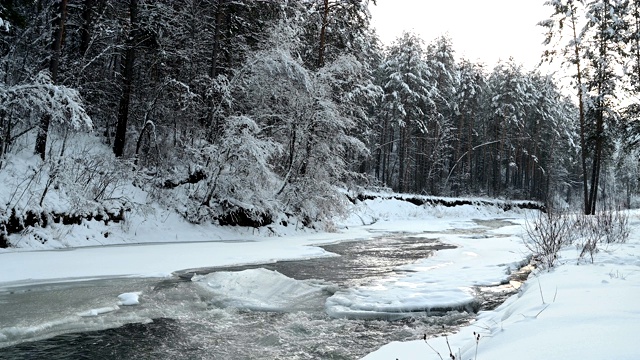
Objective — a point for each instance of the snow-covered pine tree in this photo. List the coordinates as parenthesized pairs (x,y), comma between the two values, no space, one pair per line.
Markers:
(603,33)
(565,39)
(549,160)
(333,28)
(595,50)
(471,90)
(437,148)
(510,91)
(408,96)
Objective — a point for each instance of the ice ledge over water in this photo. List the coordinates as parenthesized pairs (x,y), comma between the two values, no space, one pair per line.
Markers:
(388,303)
(262,290)
(443,282)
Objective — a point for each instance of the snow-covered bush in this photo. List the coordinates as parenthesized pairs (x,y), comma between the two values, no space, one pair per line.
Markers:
(80,179)
(243,169)
(298,109)
(64,104)
(92,177)
(23,105)
(239,172)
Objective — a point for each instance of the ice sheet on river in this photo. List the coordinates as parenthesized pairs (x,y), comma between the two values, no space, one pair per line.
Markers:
(442,282)
(262,290)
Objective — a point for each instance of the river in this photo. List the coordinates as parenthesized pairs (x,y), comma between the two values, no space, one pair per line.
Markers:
(176,319)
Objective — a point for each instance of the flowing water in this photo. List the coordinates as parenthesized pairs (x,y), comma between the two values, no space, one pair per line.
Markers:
(177,319)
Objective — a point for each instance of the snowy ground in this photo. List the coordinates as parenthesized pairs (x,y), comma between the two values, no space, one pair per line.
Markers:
(574,312)
(585,311)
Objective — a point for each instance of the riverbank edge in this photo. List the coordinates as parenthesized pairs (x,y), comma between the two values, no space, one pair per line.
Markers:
(577,310)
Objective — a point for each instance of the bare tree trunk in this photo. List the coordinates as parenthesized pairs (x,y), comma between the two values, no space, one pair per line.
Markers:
(402,158)
(380,155)
(149,128)
(215,49)
(600,113)
(85,30)
(214,119)
(458,152)
(469,151)
(54,62)
(583,143)
(5,133)
(323,34)
(636,16)
(127,78)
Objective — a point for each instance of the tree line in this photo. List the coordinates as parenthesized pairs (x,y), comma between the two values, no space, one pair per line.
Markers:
(265,107)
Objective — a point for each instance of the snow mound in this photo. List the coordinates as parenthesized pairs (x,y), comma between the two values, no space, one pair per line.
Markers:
(262,290)
(128,299)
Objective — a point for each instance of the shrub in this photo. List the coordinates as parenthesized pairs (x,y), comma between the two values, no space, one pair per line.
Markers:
(604,227)
(547,234)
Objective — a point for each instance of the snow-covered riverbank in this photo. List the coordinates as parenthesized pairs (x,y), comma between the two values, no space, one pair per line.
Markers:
(159,244)
(576,311)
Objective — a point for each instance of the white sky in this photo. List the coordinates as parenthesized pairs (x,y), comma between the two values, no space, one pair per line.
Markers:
(484,30)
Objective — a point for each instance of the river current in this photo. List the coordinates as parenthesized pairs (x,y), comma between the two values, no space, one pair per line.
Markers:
(176,319)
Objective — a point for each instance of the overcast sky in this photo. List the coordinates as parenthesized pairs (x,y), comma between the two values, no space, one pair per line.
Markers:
(484,30)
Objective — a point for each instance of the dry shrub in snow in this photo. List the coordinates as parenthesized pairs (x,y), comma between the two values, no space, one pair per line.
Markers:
(549,232)
(604,227)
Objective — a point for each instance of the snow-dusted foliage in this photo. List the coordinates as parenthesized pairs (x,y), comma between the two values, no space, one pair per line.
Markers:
(5,25)
(250,110)
(22,106)
(62,103)
(295,107)
(239,172)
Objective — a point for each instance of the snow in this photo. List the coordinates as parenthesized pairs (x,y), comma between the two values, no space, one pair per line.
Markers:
(159,244)
(128,299)
(576,311)
(260,290)
(157,260)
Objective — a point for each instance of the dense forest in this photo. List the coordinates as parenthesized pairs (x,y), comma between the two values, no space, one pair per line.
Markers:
(227,107)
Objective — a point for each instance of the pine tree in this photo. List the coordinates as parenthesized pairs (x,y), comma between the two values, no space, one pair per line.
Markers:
(595,52)
(469,98)
(604,32)
(441,117)
(408,95)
